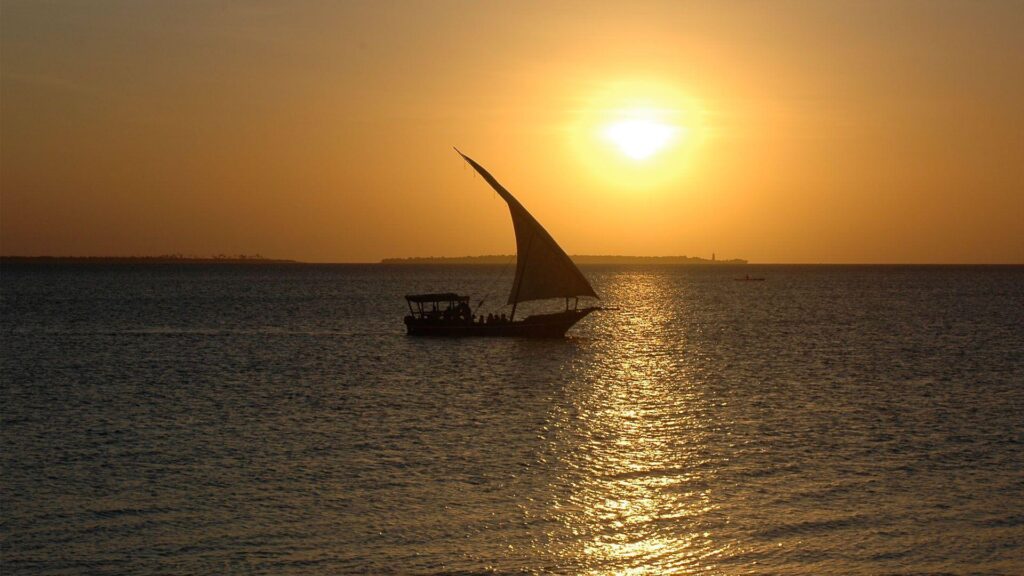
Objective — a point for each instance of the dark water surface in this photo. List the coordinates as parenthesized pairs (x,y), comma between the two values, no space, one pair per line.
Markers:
(170,419)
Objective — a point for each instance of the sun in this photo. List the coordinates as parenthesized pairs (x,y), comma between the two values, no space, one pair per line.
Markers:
(636,134)
(640,138)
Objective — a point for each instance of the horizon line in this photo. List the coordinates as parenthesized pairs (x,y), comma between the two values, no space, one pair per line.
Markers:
(426,260)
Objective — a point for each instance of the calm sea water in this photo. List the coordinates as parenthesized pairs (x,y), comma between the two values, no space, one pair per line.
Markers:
(276,420)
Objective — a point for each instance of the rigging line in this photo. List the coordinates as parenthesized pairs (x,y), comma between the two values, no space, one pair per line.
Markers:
(490,287)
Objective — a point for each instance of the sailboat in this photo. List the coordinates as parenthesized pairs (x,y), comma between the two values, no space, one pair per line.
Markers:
(543,271)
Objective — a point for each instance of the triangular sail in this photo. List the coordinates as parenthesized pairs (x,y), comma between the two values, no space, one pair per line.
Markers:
(543,270)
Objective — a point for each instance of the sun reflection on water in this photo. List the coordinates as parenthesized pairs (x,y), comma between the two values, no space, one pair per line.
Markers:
(636,469)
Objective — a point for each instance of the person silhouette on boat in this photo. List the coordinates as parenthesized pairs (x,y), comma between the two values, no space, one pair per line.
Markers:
(465,313)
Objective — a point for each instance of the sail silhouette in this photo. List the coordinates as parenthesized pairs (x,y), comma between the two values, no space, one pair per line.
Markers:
(543,269)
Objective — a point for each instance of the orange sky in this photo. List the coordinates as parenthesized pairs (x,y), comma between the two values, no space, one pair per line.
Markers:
(322,131)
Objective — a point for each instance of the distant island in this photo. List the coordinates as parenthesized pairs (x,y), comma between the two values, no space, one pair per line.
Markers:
(163,259)
(578,259)
(258,259)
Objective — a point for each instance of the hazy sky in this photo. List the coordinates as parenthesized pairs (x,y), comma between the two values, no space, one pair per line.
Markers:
(322,131)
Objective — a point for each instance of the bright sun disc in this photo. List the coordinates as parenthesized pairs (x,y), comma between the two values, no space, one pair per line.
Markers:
(636,134)
(640,139)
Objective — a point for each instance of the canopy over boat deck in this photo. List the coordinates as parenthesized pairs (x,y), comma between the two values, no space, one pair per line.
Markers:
(445,306)
(438,297)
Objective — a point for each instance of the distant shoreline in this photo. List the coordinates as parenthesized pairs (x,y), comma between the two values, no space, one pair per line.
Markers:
(489,259)
(463,260)
(142,260)
(578,259)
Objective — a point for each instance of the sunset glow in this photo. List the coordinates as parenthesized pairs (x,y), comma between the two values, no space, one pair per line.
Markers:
(795,132)
(664,287)
(640,138)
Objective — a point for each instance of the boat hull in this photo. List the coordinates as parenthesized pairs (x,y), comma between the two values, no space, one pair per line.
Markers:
(538,326)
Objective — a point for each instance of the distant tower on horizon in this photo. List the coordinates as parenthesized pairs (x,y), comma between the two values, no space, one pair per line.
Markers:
(712,256)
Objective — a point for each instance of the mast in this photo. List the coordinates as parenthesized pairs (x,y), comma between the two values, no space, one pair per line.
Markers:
(518,283)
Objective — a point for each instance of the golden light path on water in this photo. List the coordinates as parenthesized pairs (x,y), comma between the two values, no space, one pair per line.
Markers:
(640,483)
(273,420)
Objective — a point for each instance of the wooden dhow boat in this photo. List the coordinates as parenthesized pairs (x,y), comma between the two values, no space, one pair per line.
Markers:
(543,271)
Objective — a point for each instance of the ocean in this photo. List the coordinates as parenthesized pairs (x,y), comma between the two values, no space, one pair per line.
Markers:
(275,419)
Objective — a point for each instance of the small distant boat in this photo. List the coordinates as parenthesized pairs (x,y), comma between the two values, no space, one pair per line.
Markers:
(749,278)
(543,271)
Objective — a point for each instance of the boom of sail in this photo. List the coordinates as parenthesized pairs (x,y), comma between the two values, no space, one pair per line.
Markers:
(543,269)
